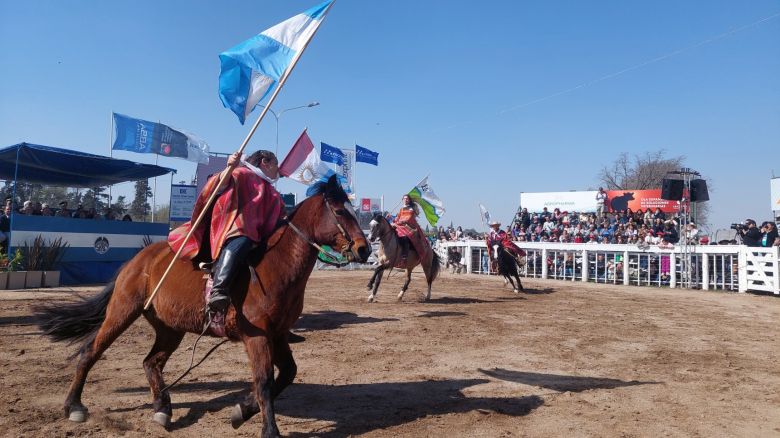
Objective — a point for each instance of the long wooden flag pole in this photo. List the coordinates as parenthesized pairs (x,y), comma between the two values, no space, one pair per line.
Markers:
(228,170)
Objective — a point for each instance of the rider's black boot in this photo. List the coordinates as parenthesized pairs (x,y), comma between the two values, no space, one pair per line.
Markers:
(231,259)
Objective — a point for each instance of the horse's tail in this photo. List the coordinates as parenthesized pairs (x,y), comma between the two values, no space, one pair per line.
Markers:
(74,321)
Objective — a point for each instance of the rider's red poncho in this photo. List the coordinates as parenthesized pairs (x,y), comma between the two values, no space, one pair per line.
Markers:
(249,206)
(502,238)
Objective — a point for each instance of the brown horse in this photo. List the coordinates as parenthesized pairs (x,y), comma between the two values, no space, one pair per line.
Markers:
(264,307)
(390,253)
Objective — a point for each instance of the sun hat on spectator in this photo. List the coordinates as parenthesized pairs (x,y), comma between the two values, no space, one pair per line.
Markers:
(44,205)
(27,204)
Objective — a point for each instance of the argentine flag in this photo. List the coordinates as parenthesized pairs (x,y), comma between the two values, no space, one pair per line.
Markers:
(251,70)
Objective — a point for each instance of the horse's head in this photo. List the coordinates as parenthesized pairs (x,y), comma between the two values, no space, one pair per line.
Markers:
(337,224)
(377,227)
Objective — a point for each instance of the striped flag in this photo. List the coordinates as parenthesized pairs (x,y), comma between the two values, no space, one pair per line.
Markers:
(431,205)
(251,70)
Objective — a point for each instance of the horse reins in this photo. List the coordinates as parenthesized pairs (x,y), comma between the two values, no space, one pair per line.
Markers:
(344,250)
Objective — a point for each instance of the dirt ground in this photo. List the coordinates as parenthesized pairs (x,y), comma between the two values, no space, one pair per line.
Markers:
(568,359)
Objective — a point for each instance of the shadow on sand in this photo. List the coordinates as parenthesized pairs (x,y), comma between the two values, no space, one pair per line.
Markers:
(559,382)
(331,320)
(352,409)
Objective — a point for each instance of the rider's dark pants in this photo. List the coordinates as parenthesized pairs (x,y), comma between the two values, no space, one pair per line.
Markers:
(404,242)
(231,259)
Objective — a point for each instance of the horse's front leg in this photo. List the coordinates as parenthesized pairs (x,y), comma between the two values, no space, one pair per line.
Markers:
(259,350)
(376,280)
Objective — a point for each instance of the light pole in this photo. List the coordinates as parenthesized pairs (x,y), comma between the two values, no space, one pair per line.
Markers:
(278,115)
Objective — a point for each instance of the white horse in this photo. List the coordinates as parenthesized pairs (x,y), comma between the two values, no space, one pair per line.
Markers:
(390,253)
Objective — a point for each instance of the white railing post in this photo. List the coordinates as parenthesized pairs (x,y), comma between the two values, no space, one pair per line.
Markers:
(705,271)
(742,271)
(626,270)
(467,251)
(776,270)
(544,263)
(672,270)
(585,266)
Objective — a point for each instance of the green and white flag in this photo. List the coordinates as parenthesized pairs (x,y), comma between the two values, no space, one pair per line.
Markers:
(423,195)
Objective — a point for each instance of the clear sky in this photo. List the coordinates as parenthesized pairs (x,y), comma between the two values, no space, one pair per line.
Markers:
(490,98)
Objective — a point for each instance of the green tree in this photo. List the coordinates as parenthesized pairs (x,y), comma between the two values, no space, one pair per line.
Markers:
(139,208)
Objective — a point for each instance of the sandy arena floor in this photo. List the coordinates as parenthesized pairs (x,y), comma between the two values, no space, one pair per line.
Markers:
(569,359)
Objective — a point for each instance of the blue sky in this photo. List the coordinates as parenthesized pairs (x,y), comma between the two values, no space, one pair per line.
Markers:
(470,93)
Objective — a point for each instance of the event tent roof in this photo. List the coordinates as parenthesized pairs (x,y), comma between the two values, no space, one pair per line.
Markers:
(64,167)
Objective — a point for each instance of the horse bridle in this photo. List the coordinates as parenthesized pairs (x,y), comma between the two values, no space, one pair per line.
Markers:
(345,250)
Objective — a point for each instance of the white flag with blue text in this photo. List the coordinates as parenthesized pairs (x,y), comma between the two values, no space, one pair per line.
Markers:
(251,70)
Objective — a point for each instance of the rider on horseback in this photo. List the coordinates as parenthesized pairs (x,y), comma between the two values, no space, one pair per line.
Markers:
(497,236)
(244,214)
(405,224)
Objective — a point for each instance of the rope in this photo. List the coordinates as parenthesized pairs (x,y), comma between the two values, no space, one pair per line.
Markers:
(192,357)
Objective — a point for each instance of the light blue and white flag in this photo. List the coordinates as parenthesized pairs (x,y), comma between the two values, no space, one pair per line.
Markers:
(251,70)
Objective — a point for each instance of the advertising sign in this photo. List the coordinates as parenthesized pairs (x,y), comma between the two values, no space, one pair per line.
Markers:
(618,200)
(775,193)
(215,165)
(182,202)
(566,201)
(370,205)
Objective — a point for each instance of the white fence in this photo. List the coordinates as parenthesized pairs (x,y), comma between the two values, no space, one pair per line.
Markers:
(725,267)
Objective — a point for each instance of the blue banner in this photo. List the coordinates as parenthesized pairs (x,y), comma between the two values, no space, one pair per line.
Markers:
(331,154)
(363,155)
(146,137)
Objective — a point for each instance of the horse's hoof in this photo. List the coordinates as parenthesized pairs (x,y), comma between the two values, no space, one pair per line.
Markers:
(401,296)
(236,418)
(370,298)
(78,415)
(162,419)
(516,291)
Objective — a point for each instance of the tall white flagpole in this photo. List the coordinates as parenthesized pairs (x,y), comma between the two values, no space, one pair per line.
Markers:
(228,169)
(110,154)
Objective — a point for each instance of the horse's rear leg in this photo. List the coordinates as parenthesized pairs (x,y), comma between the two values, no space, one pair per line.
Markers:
(166,342)
(258,349)
(375,280)
(406,284)
(120,314)
(519,284)
(508,278)
(283,359)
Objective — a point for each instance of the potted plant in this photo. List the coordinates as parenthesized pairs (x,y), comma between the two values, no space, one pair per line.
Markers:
(33,255)
(52,255)
(3,271)
(16,278)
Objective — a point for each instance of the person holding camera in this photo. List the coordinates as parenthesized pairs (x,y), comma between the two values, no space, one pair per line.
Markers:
(750,234)
(768,234)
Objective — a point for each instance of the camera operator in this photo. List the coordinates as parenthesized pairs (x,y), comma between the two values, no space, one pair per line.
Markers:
(768,234)
(750,234)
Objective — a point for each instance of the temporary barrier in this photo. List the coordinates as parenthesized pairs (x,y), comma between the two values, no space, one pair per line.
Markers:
(723,267)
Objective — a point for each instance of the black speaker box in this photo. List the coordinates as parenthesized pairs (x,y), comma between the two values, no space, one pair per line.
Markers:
(699,191)
(672,189)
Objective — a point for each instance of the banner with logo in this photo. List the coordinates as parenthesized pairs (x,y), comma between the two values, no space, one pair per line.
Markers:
(215,165)
(182,202)
(346,170)
(566,201)
(774,191)
(370,205)
(618,200)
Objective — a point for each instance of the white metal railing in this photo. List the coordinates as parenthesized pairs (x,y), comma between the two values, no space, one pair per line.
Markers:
(721,267)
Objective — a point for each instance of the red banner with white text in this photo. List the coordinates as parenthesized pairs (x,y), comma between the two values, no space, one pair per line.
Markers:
(619,200)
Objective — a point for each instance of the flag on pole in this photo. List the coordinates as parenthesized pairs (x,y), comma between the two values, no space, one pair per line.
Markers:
(147,137)
(303,164)
(251,70)
(363,155)
(485,215)
(431,205)
(331,154)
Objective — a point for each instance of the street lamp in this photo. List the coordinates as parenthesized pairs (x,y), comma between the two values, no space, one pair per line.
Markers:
(278,115)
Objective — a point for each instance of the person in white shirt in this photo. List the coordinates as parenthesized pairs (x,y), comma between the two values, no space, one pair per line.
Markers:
(601,201)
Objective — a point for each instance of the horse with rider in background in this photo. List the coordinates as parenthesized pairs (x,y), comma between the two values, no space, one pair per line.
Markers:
(403,245)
